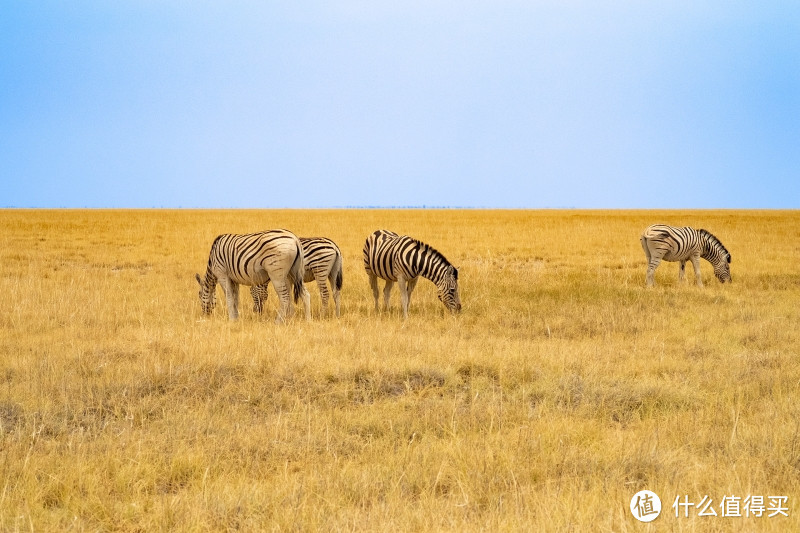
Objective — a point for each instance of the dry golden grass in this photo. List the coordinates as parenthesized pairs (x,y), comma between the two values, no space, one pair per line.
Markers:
(562,389)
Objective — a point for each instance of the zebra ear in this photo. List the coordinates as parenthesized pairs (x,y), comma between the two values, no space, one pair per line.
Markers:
(197,277)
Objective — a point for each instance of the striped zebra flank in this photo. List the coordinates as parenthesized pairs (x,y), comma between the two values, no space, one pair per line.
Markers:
(323,264)
(671,243)
(253,259)
(402,259)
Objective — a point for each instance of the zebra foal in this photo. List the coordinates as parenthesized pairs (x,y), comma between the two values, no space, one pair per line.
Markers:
(254,259)
(671,243)
(323,263)
(402,259)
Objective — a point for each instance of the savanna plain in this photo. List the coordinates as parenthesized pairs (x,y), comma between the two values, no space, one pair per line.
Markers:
(563,387)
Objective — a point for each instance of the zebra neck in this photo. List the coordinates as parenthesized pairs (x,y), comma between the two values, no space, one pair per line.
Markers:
(211,278)
(711,251)
(431,266)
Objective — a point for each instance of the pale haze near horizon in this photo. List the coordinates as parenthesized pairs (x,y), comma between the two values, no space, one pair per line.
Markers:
(357,104)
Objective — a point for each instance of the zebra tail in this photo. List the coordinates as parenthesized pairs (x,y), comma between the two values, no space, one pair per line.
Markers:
(298,288)
(338,267)
(297,274)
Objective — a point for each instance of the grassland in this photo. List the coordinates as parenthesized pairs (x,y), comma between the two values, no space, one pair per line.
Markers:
(563,388)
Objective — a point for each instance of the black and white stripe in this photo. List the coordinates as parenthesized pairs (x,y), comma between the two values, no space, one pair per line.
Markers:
(254,259)
(403,259)
(671,243)
(323,263)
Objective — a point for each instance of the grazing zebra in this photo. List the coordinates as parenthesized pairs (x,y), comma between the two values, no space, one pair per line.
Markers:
(323,261)
(684,244)
(403,259)
(254,259)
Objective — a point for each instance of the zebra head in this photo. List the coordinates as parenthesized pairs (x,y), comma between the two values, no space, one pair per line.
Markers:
(716,254)
(208,297)
(722,268)
(448,290)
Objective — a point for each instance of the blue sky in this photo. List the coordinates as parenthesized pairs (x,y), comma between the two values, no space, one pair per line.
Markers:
(536,104)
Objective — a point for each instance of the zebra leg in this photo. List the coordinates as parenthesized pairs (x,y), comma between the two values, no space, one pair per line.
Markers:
(231,289)
(682,271)
(651,268)
(235,287)
(306,303)
(402,285)
(655,260)
(696,265)
(411,284)
(259,294)
(285,310)
(257,306)
(373,282)
(336,302)
(322,283)
(387,290)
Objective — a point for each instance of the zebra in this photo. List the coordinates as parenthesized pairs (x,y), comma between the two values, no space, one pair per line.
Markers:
(403,259)
(670,243)
(253,259)
(323,261)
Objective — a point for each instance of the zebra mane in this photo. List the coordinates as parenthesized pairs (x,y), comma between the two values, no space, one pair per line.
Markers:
(716,242)
(430,249)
